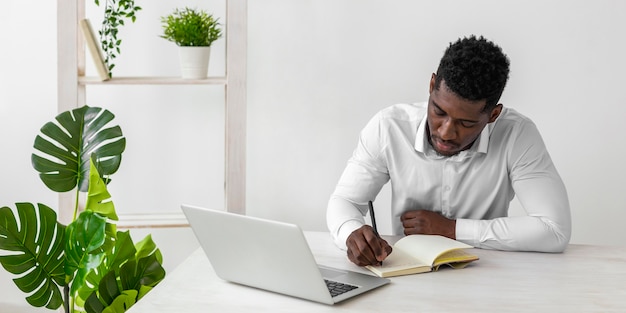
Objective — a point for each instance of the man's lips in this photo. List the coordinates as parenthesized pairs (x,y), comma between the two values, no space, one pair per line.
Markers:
(444,146)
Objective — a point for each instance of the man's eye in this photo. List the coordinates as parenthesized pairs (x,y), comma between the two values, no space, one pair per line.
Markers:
(468,124)
(440,112)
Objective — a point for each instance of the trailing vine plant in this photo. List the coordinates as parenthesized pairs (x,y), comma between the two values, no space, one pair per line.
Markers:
(115,13)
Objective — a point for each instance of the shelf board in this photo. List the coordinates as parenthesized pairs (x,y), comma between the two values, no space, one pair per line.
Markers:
(152,220)
(163,80)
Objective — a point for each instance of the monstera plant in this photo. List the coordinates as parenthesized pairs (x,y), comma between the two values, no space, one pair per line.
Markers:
(87,265)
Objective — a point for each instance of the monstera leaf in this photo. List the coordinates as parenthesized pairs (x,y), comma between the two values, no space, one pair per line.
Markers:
(98,197)
(145,270)
(65,148)
(126,272)
(84,236)
(90,238)
(123,251)
(113,300)
(39,258)
(137,276)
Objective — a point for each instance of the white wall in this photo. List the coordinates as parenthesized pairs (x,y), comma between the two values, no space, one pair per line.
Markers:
(318,70)
(27,100)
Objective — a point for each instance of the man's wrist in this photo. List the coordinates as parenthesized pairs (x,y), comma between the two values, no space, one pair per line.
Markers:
(453,230)
(345,230)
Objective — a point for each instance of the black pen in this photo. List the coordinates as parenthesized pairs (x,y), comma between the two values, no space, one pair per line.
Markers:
(373,217)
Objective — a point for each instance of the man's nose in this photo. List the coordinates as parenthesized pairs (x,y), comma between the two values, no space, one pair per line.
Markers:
(447,130)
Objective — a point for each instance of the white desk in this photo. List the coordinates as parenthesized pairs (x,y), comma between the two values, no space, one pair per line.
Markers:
(583,279)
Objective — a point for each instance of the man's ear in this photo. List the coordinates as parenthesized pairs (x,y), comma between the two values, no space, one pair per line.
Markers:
(432,83)
(495,112)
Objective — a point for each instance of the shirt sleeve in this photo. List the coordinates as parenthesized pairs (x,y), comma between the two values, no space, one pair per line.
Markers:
(542,194)
(364,176)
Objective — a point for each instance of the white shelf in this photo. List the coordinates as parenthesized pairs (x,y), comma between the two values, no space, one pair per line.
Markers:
(145,80)
(162,220)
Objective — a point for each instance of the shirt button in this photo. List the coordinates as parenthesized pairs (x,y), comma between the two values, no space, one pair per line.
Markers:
(446,188)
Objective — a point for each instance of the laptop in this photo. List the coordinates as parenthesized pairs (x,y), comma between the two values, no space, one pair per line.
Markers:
(272,256)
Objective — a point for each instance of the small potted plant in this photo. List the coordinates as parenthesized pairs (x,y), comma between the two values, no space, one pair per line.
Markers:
(193,31)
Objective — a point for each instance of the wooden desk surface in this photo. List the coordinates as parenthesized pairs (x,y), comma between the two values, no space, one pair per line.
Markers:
(582,279)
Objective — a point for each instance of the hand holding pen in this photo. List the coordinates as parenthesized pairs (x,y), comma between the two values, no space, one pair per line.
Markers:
(365,246)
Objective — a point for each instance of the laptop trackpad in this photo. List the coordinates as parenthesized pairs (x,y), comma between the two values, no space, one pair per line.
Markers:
(331,273)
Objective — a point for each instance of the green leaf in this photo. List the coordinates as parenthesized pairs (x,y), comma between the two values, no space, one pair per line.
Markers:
(112,299)
(98,197)
(139,274)
(143,272)
(63,149)
(190,27)
(147,247)
(123,251)
(93,304)
(143,290)
(122,302)
(116,11)
(39,243)
(84,236)
(107,291)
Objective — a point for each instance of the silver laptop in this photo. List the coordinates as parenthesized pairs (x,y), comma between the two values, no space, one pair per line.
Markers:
(272,256)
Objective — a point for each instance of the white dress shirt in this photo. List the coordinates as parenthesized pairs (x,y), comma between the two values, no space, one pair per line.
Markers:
(475,187)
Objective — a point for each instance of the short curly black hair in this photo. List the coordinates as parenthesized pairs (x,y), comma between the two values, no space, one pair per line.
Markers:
(474,69)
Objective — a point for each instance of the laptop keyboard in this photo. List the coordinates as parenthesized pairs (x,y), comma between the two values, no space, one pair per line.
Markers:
(337,288)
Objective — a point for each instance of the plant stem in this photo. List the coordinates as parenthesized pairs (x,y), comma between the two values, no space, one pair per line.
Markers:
(76,204)
(69,305)
(66,295)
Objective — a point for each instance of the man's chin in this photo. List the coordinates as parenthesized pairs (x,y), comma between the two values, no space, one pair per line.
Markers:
(447,153)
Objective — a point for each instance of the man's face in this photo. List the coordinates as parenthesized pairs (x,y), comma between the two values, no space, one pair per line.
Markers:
(453,122)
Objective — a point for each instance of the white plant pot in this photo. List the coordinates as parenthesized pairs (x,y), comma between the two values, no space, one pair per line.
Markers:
(194,62)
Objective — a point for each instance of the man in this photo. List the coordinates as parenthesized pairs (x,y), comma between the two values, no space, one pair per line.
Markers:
(454,164)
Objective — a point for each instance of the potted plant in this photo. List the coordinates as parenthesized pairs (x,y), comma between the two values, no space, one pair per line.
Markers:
(87,265)
(115,12)
(193,31)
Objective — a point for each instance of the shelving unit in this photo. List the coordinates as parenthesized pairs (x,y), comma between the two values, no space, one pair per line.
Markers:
(72,84)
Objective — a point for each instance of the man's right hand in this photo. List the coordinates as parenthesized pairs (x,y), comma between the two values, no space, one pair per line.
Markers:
(366,248)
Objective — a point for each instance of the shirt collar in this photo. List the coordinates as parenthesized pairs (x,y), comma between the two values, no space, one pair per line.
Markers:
(422,145)
(421,142)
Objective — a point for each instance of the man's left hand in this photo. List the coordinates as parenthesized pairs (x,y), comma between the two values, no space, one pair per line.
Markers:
(429,223)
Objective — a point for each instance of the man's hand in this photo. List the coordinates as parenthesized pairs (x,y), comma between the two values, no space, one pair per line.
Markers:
(365,248)
(428,222)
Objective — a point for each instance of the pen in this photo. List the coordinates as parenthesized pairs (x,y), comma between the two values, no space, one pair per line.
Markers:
(373,217)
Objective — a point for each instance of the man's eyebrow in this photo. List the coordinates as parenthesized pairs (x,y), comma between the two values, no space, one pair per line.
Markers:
(438,107)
